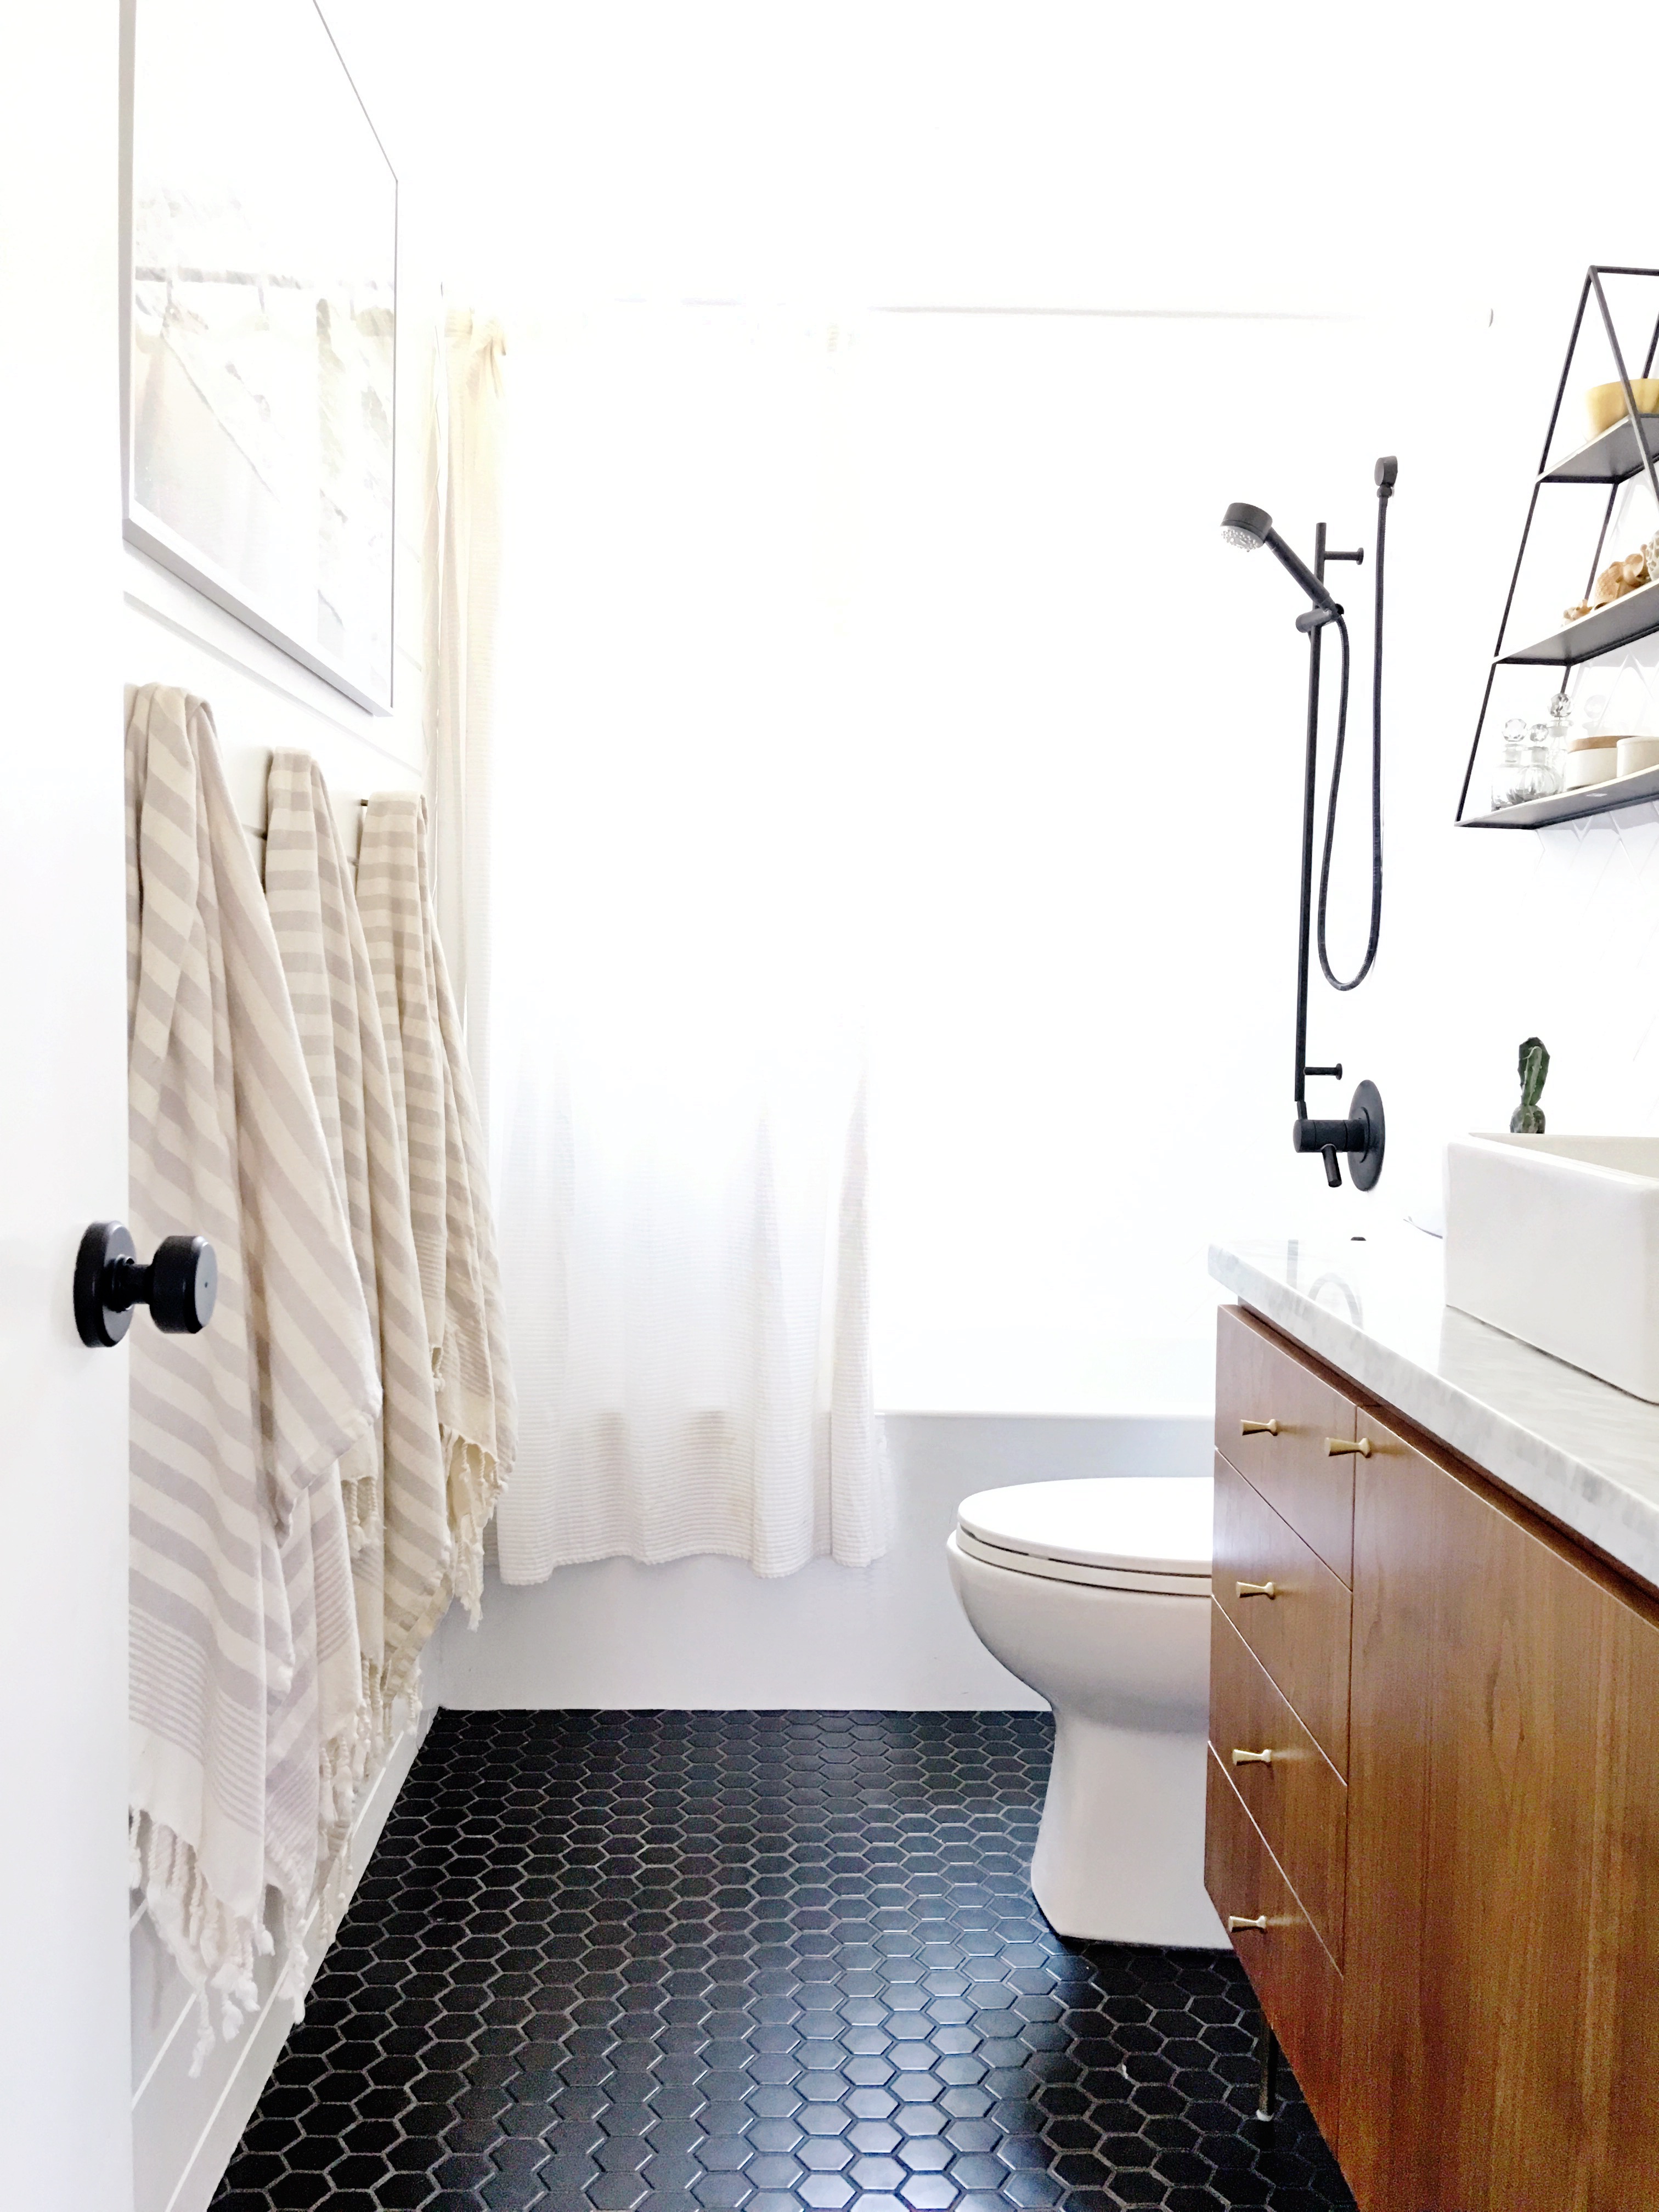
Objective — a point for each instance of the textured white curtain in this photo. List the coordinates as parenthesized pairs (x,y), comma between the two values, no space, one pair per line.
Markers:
(679,888)
(461,566)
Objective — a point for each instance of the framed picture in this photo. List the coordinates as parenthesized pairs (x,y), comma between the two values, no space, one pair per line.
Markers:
(260,339)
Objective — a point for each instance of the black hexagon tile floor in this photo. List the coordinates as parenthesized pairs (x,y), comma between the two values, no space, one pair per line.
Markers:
(752,1962)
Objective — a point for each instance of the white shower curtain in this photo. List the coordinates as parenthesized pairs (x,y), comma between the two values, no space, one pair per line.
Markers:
(461,569)
(679,889)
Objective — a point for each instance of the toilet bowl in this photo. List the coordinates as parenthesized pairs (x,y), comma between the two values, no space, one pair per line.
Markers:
(1097,1594)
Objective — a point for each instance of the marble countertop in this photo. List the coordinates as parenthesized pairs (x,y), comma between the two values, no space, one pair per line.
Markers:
(1582,1452)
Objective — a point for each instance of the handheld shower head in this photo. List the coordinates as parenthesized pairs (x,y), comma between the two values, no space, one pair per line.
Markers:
(1249,527)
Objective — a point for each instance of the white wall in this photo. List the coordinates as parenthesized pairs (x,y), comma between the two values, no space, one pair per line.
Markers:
(708,1632)
(1198,256)
(1492,936)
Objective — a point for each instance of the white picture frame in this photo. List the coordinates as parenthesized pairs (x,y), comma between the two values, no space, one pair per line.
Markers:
(258,329)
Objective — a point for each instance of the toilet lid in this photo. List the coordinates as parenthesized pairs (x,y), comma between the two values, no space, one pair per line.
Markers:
(1115,1530)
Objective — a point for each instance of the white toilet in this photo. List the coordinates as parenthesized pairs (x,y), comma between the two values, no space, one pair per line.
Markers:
(1097,1593)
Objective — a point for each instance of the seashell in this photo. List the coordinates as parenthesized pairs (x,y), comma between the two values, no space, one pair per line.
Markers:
(1618,578)
(1614,580)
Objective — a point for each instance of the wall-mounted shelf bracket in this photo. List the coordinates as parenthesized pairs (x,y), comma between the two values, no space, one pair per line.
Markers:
(1630,447)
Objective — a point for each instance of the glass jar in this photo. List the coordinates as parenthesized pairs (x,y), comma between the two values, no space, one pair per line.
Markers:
(1527,767)
(1564,728)
(1545,754)
(1509,777)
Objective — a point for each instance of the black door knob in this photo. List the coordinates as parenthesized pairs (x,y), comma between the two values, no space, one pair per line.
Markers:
(179,1286)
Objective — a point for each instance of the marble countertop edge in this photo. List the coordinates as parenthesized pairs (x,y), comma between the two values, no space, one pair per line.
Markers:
(1618,1517)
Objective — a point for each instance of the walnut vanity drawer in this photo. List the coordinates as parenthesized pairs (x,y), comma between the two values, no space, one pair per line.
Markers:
(1276,1419)
(1290,1969)
(1300,1631)
(1295,1795)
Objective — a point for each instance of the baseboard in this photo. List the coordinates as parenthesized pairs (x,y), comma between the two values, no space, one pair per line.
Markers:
(186,2131)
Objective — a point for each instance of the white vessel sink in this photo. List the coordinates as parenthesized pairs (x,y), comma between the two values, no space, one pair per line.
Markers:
(1556,1240)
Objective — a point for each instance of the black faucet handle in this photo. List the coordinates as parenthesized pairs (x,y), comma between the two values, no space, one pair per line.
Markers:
(1360,1134)
(1311,1135)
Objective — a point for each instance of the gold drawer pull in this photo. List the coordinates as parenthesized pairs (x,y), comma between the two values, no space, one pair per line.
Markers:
(1236,1921)
(1335,1444)
(1258,1428)
(1253,1758)
(1257,1589)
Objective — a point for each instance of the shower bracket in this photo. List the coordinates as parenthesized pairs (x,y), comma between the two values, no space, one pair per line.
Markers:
(1359,1134)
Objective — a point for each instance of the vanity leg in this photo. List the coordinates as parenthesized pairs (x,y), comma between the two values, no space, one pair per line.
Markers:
(1267,2088)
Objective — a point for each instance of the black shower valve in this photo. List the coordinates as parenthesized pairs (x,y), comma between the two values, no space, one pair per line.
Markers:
(1310,1136)
(180,1285)
(1361,1135)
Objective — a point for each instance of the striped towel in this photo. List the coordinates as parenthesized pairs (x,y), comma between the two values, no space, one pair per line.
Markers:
(245,1678)
(394,1480)
(448,1186)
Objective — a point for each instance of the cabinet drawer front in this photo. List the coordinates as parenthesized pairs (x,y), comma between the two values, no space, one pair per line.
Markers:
(1503,1948)
(1295,1796)
(1258,1381)
(1290,1969)
(1300,1634)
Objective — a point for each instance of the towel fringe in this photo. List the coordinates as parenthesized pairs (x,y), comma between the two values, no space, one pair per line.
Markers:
(387,1685)
(213,1948)
(475,1483)
(365,1518)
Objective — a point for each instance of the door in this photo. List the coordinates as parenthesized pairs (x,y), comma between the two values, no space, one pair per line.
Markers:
(64,2091)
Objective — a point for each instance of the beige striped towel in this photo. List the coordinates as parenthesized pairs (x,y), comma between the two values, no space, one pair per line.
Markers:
(246,1679)
(449,1195)
(395,1479)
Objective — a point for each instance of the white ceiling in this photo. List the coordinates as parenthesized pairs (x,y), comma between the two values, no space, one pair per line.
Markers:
(1203,156)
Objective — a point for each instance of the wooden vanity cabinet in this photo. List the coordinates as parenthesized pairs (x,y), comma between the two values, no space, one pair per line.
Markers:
(1492,2043)
(1501,2022)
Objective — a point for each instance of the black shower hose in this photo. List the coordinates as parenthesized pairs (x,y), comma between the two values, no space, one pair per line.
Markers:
(1365,968)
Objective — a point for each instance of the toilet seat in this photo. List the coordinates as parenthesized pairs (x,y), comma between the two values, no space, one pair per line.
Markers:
(1150,1533)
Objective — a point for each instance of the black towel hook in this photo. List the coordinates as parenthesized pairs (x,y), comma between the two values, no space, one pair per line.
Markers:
(180,1285)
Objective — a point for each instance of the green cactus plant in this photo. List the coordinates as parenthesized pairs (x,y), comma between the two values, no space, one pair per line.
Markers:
(1528,1118)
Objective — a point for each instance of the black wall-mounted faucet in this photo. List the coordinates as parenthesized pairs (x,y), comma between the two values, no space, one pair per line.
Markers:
(1360,1136)
(1361,1133)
